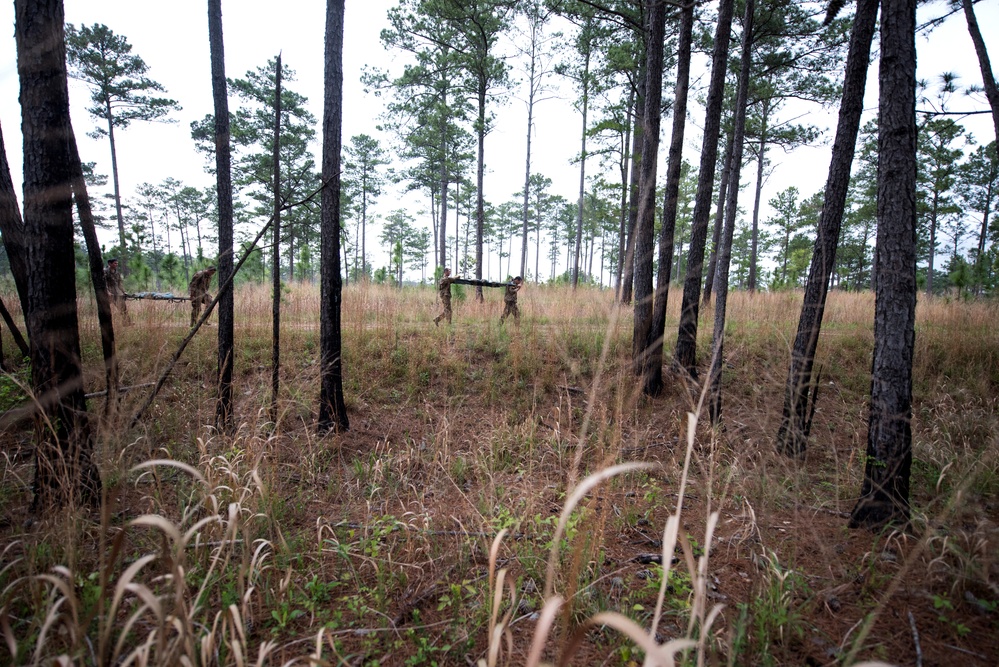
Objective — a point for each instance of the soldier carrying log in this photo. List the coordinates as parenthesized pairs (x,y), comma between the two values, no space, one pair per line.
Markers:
(116,293)
(510,300)
(444,290)
(198,289)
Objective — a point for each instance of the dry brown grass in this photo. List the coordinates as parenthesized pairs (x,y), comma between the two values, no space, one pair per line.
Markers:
(483,506)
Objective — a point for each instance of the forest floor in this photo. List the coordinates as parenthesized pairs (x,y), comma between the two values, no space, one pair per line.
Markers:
(443,527)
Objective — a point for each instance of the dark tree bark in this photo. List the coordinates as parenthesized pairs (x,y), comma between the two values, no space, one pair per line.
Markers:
(96,262)
(276,277)
(645,229)
(332,408)
(628,278)
(884,498)
(988,80)
(12,228)
(653,371)
(731,208)
(64,469)
(792,437)
(709,277)
(223,180)
(686,340)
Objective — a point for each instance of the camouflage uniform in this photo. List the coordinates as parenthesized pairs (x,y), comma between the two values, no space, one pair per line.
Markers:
(116,293)
(510,302)
(444,290)
(198,289)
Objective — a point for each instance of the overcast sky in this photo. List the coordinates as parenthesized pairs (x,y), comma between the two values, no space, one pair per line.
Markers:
(172,39)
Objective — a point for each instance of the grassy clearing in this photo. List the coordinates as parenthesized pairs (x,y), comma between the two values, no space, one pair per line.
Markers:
(505,496)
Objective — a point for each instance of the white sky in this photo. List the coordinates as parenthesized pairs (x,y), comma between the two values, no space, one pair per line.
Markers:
(172,38)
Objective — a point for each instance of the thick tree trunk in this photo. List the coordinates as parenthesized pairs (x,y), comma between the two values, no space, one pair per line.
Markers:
(645,229)
(276,273)
(884,498)
(332,407)
(731,207)
(988,80)
(792,436)
(653,371)
(96,262)
(224,420)
(64,469)
(686,341)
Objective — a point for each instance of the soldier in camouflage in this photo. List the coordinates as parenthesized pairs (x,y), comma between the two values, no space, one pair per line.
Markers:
(116,293)
(198,289)
(444,290)
(510,300)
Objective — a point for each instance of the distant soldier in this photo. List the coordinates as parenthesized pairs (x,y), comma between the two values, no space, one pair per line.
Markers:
(444,289)
(198,288)
(116,293)
(510,300)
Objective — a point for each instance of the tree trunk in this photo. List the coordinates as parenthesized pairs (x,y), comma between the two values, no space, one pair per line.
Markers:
(276,273)
(645,229)
(686,341)
(224,420)
(755,234)
(22,345)
(628,278)
(582,163)
(480,171)
(117,189)
(653,371)
(527,168)
(625,161)
(443,220)
(989,81)
(709,278)
(332,407)
(13,231)
(792,436)
(884,498)
(933,244)
(731,208)
(64,469)
(96,262)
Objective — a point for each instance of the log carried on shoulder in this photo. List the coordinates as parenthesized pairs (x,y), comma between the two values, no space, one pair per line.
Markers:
(481,283)
(158,296)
